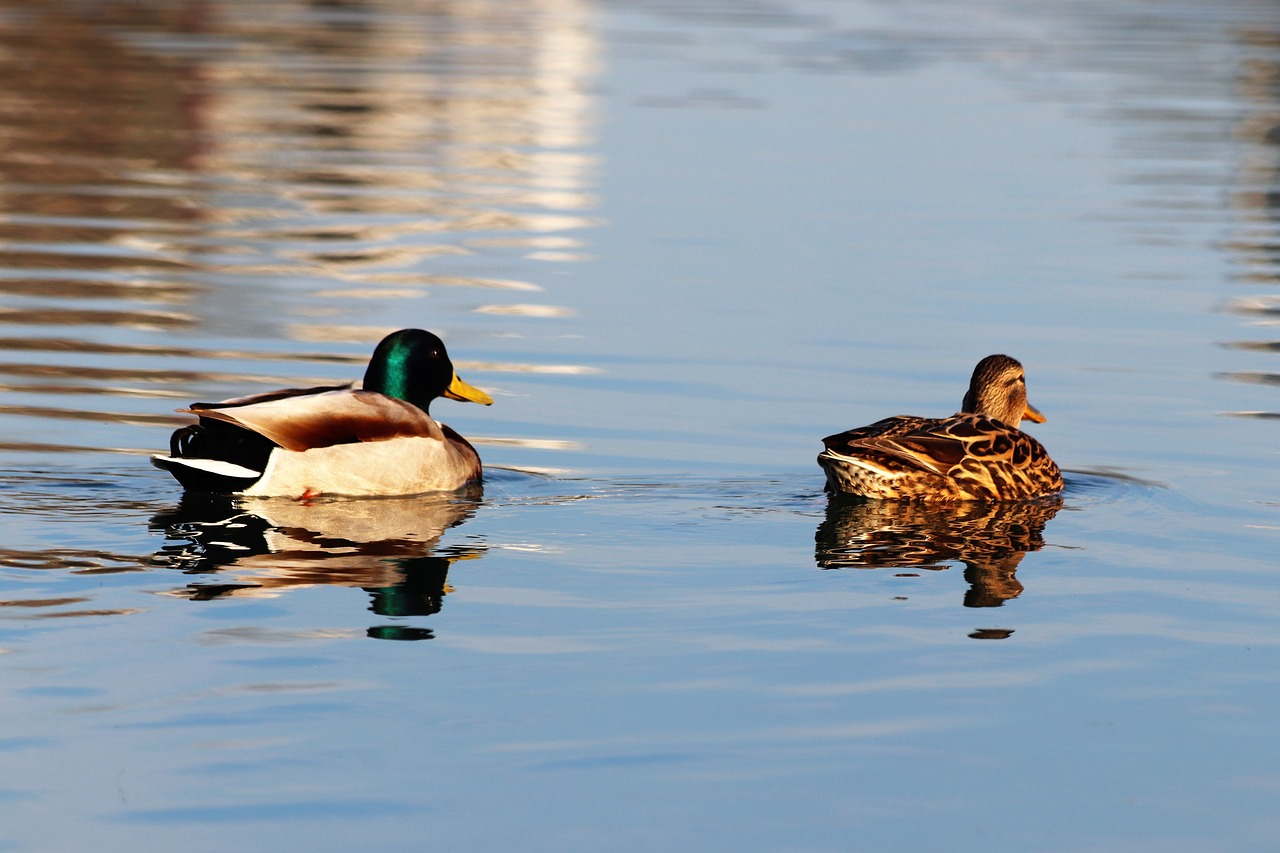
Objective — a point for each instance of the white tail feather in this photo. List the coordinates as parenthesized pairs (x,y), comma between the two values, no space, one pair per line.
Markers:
(213,466)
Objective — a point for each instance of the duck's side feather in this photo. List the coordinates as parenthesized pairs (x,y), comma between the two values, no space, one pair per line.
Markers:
(396,466)
(309,420)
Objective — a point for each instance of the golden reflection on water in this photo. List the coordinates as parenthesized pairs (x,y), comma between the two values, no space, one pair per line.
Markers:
(1255,246)
(263,548)
(77,561)
(180,178)
(990,539)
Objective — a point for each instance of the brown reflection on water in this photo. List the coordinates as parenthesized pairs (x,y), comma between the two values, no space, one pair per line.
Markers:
(1254,245)
(270,171)
(989,539)
(1257,196)
(73,560)
(388,548)
(77,561)
(80,108)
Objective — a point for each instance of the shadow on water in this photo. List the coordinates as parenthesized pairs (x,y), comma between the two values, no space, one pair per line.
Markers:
(387,547)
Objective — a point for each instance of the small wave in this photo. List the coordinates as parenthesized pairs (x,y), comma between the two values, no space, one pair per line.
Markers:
(1105,484)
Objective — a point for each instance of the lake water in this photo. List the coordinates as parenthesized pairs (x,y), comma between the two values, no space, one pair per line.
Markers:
(679,243)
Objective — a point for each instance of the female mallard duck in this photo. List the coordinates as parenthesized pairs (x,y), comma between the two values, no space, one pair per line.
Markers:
(976,454)
(300,442)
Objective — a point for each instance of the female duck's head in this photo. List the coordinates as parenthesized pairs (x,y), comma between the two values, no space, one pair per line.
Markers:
(998,390)
(412,365)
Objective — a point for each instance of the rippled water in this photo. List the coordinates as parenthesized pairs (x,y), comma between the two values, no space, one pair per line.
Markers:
(678,243)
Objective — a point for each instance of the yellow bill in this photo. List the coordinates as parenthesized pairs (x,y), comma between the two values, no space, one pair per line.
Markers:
(459,390)
(1033,414)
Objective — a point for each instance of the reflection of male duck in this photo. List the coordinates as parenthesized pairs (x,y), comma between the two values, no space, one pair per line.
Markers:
(386,547)
(989,538)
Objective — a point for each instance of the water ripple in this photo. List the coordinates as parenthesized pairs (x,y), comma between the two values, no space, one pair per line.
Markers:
(279,182)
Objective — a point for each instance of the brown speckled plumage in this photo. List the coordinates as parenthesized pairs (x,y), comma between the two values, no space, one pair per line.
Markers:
(976,454)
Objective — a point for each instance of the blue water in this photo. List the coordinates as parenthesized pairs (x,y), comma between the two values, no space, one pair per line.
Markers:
(678,243)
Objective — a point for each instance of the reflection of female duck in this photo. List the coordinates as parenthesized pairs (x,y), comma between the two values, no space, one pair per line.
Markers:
(976,454)
(375,440)
(989,538)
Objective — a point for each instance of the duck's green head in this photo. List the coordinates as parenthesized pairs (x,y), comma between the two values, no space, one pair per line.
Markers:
(412,364)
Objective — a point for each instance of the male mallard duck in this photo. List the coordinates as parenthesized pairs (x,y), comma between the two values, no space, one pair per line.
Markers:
(300,442)
(976,454)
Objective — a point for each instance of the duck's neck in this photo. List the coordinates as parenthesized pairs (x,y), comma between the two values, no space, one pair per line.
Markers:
(390,375)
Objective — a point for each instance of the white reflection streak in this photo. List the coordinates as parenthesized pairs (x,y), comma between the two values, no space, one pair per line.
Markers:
(370,293)
(437,281)
(525,310)
(564,56)
(530,443)
(523,596)
(517,367)
(965,680)
(521,644)
(254,635)
(839,731)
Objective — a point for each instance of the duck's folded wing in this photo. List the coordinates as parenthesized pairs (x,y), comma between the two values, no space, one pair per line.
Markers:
(266,396)
(939,446)
(896,425)
(935,453)
(935,445)
(302,421)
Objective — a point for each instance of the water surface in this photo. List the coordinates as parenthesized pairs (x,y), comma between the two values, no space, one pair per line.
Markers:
(678,243)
